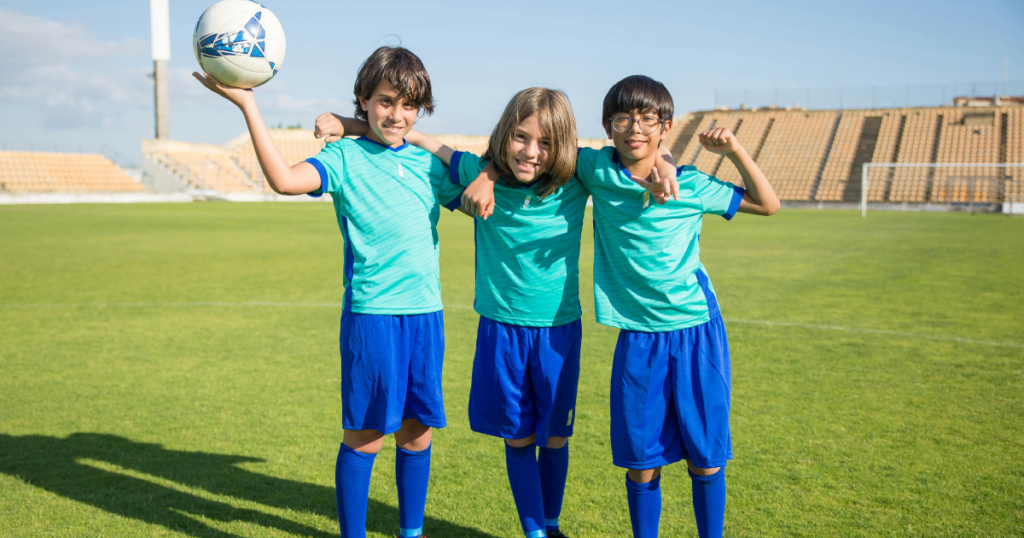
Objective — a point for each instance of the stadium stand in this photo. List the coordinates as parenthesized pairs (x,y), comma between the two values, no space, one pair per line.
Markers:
(33,171)
(297,145)
(751,133)
(794,150)
(819,155)
(1014,144)
(841,157)
(202,166)
(967,136)
(890,130)
(807,155)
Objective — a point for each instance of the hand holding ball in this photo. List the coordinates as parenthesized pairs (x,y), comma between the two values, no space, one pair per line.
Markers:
(240,43)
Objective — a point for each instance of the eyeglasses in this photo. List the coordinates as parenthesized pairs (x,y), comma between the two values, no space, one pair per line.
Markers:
(622,123)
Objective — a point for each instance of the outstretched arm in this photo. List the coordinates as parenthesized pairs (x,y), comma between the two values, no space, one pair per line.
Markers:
(425,142)
(332,127)
(760,198)
(299,179)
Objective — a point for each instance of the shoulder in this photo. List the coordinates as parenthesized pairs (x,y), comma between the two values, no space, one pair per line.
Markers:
(689,174)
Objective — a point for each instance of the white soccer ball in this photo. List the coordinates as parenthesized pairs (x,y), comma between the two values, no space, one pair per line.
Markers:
(239,42)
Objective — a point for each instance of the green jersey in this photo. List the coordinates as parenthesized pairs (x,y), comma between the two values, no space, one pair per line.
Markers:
(647,270)
(387,202)
(528,251)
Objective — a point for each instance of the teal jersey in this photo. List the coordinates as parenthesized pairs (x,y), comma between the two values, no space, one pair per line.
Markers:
(528,251)
(387,201)
(647,271)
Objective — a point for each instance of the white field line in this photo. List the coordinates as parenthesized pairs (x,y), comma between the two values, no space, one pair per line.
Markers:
(876,331)
(468,307)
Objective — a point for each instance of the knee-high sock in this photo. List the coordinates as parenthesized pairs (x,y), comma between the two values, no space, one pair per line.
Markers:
(644,507)
(709,503)
(524,478)
(554,466)
(412,473)
(352,486)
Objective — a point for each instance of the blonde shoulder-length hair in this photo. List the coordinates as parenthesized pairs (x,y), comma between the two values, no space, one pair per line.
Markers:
(555,116)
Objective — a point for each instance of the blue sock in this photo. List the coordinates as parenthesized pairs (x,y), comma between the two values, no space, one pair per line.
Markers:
(709,503)
(412,472)
(644,507)
(352,486)
(524,478)
(554,466)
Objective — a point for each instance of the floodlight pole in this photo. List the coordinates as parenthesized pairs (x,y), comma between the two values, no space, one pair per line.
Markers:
(160,30)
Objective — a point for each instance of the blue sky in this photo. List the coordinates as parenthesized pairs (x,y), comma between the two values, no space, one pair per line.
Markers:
(73,74)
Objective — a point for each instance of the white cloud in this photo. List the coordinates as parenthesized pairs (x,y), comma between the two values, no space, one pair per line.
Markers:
(30,40)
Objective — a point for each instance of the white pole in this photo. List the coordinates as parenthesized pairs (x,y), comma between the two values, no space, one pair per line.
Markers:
(160,35)
(864,189)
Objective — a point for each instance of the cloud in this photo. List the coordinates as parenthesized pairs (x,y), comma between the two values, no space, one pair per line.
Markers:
(69,72)
(28,40)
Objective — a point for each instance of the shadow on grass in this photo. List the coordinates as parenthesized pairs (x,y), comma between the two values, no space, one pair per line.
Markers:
(57,465)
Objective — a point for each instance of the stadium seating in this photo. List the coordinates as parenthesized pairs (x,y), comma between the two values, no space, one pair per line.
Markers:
(203,166)
(886,144)
(296,145)
(967,136)
(750,133)
(840,157)
(1014,188)
(28,171)
(793,151)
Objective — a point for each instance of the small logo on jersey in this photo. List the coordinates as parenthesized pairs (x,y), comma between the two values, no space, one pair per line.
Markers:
(569,423)
(526,203)
(647,199)
(401,172)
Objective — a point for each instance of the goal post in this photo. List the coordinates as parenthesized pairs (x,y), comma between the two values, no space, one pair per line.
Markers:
(968,185)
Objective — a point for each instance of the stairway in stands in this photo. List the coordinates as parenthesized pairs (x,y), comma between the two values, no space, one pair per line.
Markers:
(865,150)
(684,137)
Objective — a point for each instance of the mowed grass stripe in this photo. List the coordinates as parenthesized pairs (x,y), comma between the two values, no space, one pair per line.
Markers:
(209,421)
(458,306)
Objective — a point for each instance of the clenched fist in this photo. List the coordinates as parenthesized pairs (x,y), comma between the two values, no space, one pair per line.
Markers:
(719,140)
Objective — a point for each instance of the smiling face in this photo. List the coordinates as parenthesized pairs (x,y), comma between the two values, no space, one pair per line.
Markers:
(634,145)
(529,150)
(390,117)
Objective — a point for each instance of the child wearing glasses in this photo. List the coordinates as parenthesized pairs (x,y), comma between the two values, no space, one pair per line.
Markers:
(526,368)
(671,374)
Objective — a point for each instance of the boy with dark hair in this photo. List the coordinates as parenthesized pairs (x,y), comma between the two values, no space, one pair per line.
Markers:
(387,197)
(670,387)
(671,375)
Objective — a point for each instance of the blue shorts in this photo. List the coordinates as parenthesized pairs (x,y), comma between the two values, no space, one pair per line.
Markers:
(391,370)
(670,397)
(524,380)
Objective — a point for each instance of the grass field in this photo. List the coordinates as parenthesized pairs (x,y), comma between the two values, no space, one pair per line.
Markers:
(173,370)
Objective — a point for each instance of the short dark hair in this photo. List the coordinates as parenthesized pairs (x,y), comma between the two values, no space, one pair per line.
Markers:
(637,92)
(400,67)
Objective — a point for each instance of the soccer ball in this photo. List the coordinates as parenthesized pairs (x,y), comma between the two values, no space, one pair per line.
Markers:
(239,42)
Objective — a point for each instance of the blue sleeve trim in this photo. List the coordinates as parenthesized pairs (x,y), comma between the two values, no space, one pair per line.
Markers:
(685,168)
(455,202)
(453,168)
(734,204)
(323,177)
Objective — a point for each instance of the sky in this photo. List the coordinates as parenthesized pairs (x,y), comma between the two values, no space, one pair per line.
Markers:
(73,74)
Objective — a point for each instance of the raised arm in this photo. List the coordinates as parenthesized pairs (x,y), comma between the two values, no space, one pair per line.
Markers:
(425,142)
(332,127)
(760,198)
(301,178)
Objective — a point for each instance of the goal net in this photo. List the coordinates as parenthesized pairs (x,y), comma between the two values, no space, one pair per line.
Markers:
(957,186)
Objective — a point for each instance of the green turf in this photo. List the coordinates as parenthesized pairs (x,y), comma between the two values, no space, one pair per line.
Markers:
(126,409)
